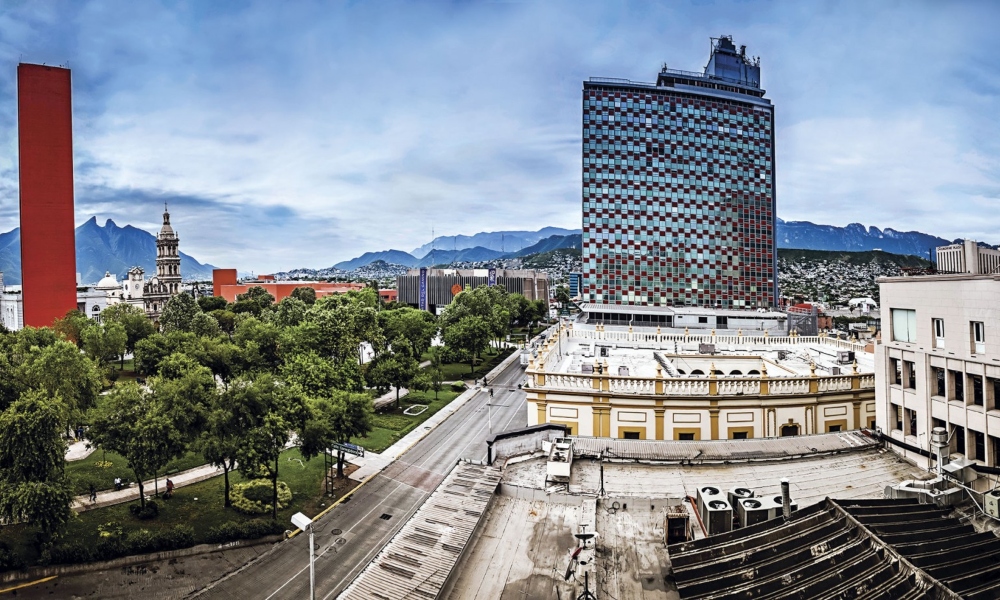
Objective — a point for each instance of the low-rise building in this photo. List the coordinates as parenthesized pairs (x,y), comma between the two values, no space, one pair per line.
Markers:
(644,383)
(226,284)
(440,285)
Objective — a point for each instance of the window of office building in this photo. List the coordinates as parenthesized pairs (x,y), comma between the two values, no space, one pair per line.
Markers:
(904,325)
(896,371)
(911,421)
(978,337)
(978,446)
(958,440)
(957,385)
(937,326)
(896,414)
(977,390)
(910,374)
(994,450)
(939,387)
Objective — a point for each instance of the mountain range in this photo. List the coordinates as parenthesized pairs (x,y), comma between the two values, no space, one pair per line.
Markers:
(804,235)
(100,249)
(469,254)
(502,242)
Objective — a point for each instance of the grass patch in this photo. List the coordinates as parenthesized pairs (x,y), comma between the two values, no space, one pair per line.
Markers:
(460,371)
(305,478)
(82,473)
(391,424)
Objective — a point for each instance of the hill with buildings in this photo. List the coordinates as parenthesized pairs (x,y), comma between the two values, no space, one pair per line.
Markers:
(837,276)
(100,249)
(855,237)
(503,242)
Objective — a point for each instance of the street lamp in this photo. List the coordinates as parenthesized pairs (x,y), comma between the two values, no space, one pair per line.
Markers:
(305,524)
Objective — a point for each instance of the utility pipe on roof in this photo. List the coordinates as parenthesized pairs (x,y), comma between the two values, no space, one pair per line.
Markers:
(786,499)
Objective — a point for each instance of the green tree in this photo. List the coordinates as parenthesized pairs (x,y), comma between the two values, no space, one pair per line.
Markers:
(72,326)
(226,320)
(396,368)
(210,303)
(435,371)
(469,336)
(65,374)
(222,437)
(206,326)
(305,294)
(417,326)
(270,413)
(336,419)
(132,422)
(290,311)
(33,485)
(179,313)
(137,325)
(105,343)
(255,301)
(562,295)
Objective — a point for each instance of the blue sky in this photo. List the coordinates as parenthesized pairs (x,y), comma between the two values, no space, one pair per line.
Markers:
(298,134)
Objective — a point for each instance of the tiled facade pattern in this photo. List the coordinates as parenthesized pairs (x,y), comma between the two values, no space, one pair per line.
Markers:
(678,196)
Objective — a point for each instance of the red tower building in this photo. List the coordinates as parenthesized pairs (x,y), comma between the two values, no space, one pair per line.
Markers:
(45,145)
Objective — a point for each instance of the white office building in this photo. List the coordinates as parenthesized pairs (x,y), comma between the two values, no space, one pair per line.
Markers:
(939,363)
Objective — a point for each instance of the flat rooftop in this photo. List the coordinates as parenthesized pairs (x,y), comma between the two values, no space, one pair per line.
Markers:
(524,547)
(730,359)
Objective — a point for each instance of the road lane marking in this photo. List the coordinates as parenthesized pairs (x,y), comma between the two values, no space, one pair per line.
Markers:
(29,584)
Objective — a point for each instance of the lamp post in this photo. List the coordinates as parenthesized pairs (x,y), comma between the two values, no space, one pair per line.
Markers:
(305,524)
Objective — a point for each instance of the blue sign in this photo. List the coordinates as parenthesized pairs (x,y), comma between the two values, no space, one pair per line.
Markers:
(422,303)
(492,277)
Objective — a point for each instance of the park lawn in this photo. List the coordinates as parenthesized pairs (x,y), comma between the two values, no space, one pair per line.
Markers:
(199,506)
(82,473)
(460,371)
(391,424)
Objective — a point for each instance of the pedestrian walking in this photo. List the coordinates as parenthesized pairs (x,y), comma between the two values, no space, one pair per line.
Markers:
(170,489)
(93,493)
(118,484)
(491,392)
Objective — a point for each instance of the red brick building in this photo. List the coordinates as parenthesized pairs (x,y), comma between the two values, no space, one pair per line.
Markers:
(226,285)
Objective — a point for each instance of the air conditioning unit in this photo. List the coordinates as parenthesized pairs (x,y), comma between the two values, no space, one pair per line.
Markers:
(706,493)
(738,493)
(991,502)
(706,348)
(753,510)
(718,516)
(845,357)
(777,510)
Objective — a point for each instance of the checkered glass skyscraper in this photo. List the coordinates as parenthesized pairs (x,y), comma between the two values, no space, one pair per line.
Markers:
(678,187)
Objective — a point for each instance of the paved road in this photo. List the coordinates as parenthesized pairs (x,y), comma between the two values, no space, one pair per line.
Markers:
(350,535)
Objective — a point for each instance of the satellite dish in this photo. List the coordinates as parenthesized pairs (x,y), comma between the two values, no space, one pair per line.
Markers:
(585,537)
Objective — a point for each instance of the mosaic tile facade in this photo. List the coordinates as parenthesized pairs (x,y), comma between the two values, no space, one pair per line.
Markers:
(678,193)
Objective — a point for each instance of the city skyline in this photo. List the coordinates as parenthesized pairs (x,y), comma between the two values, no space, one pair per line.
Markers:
(302,127)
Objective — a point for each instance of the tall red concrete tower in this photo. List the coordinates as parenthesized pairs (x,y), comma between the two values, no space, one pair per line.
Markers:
(45,145)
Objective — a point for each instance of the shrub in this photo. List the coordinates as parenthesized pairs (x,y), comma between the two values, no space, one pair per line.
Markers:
(254,497)
(9,561)
(149,512)
(458,386)
(141,541)
(67,554)
(243,530)
(394,422)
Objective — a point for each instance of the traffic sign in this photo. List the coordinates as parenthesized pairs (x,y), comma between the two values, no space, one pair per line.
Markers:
(348,448)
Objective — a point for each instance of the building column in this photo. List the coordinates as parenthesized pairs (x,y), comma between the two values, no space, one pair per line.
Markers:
(713,419)
(658,412)
(542,412)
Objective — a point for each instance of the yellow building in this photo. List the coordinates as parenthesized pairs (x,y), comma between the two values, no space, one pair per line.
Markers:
(645,384)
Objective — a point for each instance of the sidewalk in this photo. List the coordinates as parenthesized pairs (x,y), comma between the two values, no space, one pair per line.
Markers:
(111,497)
(78,451)
(389,397)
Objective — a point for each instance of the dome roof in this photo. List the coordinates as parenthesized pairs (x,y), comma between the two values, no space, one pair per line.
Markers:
(108,283)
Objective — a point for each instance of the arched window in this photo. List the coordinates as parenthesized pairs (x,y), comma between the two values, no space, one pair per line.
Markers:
(753,372)
(735,372)
(697,372)
(789,430)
